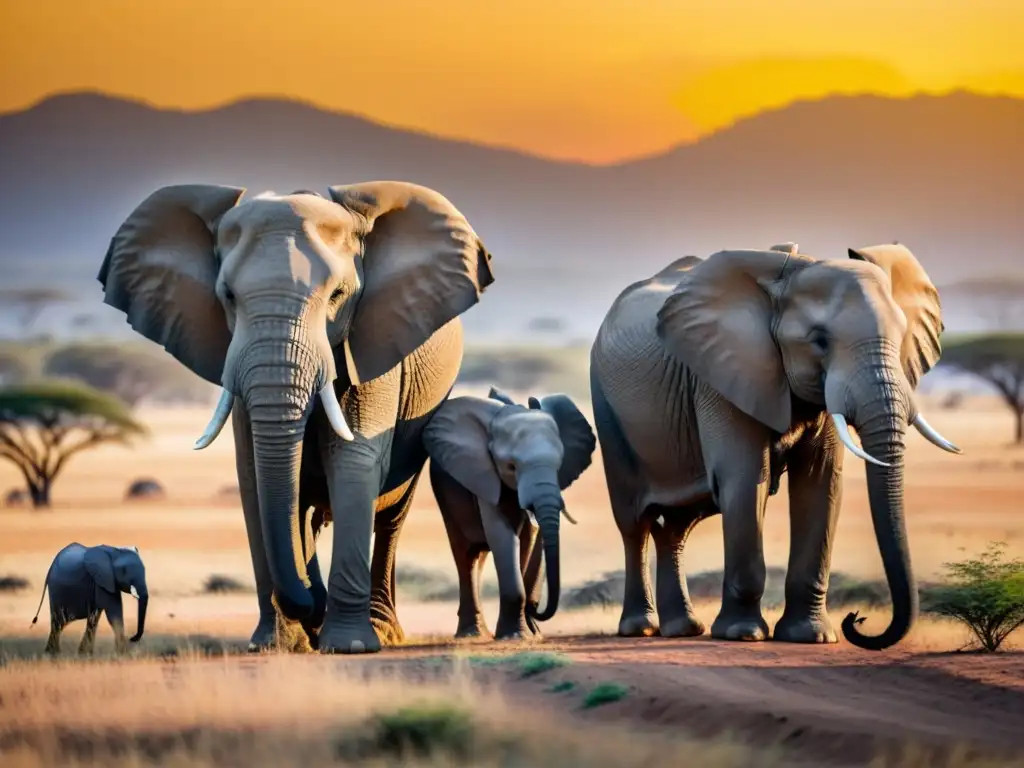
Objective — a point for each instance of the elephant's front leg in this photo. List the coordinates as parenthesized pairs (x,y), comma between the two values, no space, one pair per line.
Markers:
(503,541)
(675,612)
(353,481)
(736,455)
(111,605)
(264,637)
(815,496)
(387,527)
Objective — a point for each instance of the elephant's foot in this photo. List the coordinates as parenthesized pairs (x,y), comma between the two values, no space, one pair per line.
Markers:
(474,627)
(512,620)
(804,627)
(264,637)
(740,623)
(348,634)
(686,625)
(638,625)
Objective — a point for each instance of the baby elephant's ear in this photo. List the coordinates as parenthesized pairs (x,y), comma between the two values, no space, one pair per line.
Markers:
(499,395)
(100,567)
(577,435)
(457,440)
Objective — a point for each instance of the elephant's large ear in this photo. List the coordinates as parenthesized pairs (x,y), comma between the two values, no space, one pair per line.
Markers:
(915,294)
(578,440)
(423,265)
(99,565)
(718,322)
(457,438)
(161,271)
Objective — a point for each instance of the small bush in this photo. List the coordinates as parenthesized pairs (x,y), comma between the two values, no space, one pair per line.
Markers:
(531,664)
(528,663)
(12,583)
(563,687)
(217,583)
(986,594)
(604,693)
(424,731)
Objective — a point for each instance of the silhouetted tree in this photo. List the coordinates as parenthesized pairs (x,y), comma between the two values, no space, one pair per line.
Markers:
(43,425)
(998,358)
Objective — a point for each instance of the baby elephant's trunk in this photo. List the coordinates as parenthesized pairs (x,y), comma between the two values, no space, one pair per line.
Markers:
(141,625)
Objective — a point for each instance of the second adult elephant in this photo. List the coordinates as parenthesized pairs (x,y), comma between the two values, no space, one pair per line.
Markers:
(713,376)
(332,325)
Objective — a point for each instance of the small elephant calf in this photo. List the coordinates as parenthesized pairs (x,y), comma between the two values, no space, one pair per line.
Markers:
(498,470)
(87,581)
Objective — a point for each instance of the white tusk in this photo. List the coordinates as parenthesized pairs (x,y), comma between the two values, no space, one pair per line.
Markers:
(133,592)
(532,518)
(217,421)
(333,410)
(570,518)
(847,438)
(933,437)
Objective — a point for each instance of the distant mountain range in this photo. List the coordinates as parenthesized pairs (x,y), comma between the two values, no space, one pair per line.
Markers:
(942,174)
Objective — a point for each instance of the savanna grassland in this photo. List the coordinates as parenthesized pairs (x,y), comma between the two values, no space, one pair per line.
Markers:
(581,697)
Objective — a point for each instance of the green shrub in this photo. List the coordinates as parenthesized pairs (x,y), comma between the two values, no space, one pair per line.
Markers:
(531,664)
(604,693)
(986,594)
(424,731)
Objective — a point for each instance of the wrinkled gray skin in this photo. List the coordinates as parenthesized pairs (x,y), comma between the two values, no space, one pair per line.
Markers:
(85,582)
(333,327)
(713,377)
(498,470)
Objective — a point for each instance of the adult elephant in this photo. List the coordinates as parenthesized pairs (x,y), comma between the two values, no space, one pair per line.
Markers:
(332,326)
(713,376)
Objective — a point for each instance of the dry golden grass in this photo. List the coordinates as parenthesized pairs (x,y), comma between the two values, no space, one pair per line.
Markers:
(260,711)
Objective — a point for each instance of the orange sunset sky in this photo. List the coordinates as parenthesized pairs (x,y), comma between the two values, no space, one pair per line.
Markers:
(597,81)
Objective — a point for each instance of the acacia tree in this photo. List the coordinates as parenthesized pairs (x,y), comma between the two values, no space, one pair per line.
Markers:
(998,358)
(43,425)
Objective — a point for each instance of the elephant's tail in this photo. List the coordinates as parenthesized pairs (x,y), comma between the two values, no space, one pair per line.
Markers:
(46,583)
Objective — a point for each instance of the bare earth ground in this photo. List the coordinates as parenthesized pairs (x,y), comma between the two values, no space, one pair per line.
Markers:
(832,705)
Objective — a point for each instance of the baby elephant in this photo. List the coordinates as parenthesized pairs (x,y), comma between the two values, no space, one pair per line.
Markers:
(498,470)
(87,581)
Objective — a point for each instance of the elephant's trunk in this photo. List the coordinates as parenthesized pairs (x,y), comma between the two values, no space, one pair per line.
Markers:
(881,420)
(140,625)
(277,376)
(549,519)
(539,492)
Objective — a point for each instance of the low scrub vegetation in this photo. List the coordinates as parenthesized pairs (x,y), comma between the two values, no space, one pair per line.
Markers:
(13,583)
(985,593)
(218,583)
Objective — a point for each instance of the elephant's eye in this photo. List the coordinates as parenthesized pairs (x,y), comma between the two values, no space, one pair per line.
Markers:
(229,295)
(337,295)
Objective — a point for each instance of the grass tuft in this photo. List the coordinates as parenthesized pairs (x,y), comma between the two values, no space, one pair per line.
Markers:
(604,693)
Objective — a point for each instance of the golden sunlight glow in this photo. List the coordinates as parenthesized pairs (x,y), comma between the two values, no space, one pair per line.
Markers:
(597,80)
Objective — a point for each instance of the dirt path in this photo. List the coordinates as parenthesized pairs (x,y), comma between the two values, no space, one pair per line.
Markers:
(831,704)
